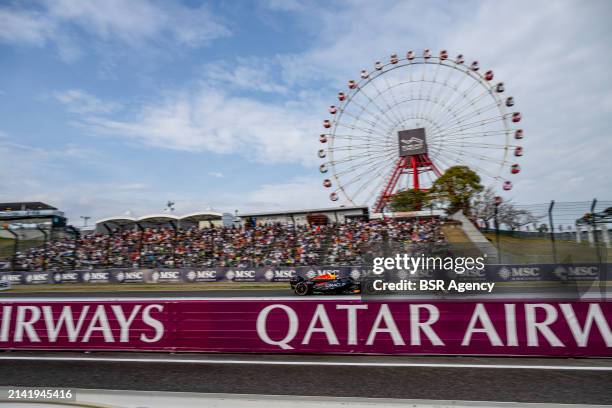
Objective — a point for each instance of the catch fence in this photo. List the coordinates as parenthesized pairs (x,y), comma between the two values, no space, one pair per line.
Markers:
(554,232)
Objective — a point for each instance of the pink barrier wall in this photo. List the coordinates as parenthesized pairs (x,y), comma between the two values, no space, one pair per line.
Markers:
(313,326)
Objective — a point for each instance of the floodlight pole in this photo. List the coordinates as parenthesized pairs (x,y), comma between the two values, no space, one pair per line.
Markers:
(85,218)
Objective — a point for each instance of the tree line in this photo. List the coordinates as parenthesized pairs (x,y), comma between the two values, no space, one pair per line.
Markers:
(460,189)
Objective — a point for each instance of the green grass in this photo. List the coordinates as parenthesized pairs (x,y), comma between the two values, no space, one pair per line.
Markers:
(460,242)
(539,250)
(148,287)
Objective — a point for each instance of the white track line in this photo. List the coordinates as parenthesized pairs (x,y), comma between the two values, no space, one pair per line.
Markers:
(308,363)
(509,297)
(171,299)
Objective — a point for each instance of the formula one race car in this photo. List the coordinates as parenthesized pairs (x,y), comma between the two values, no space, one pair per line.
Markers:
(328,284)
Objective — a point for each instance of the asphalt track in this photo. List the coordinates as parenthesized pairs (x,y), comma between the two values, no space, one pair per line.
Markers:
(573,381)
(285,294)
(225,293)
(518,290)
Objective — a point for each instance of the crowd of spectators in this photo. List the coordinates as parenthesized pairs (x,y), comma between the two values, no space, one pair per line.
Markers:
(350,242)
(256,246)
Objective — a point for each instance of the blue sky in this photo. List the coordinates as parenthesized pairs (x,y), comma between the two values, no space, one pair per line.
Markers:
(113,106)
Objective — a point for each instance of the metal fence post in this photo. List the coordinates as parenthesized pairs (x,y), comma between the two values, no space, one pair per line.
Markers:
(602,268)
(108,244)
(38,227)
(496,203)
(174,243)
(15,245)
(77,237)
(605,234)
(552,231)
(594,229)
(141,238)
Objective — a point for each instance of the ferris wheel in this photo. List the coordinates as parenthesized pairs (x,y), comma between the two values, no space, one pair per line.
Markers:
(407,120)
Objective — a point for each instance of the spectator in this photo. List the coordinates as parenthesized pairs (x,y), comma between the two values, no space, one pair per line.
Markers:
(259,246)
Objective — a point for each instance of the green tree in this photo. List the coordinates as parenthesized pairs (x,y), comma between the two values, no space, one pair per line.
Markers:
(456,188)
(409,200)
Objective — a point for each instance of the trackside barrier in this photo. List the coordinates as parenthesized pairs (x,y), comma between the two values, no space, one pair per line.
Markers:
(491,273)
(311,326)
(172,275)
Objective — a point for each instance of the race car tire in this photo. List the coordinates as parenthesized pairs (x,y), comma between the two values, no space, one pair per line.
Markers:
(302,289)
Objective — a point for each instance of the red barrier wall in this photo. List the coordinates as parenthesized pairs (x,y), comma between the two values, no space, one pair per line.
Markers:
(317,326)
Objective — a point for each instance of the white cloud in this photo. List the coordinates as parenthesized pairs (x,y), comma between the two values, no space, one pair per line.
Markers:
(254,74)
(135,23)
(555,61)
(296,194)
(24,27)
(216,174)
(79,101)
(356,34)
(284,5)
(139,20)
(208,119)
(48,175)
(128,186)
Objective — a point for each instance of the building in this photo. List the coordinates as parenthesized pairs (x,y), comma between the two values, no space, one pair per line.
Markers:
(24,217)
(409,214)
(302,217)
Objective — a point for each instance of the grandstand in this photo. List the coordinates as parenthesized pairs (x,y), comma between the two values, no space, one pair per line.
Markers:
(173,246)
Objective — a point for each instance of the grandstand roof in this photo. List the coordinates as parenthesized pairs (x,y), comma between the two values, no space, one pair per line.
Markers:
(159,218)
(120,220)
(162,218)
(24,206)
(202,216)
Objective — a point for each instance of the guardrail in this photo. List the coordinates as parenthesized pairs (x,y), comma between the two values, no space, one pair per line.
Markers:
(491,273)
(313,326)
(166,275)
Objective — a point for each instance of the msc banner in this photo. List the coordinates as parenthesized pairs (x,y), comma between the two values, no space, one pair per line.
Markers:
(179,275)
(491,273)
(326,326)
